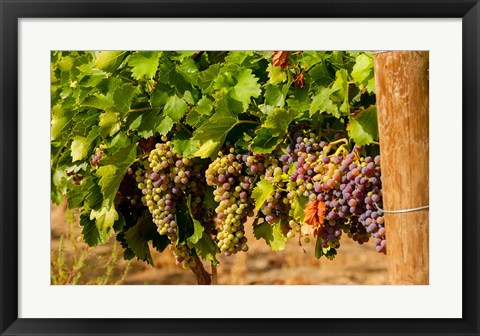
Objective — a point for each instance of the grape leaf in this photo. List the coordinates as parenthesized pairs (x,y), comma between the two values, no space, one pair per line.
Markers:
(98,101)
(144,64)
(279,120)
(182,143)
(59,126)
(109,60)
(197,226)
(362,72)
(204,106)
(262,190)
(272,234)
(206,78)
(185,223)
(339,90)
(321,102)
(264,142)
(276,74)
(188,70)
(207,249)
(175,108)
(137,238)
(122,98)
(299,208)
(104,219)
(109,123)
(165,124)
(320,74)
(81,147)
(272,131)
(91,234)
(274,96)
(112,170)
(246,87)
(212,134)
(363,129)
(158,98)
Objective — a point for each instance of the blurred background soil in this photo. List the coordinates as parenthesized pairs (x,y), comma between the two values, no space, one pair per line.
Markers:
(73,262)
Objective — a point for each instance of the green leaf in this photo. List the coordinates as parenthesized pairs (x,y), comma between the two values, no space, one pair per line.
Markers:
(209,200)
(279,120)
(120,141)
(260,193)
(81,146)
(59,125)
(144,64)
(91,234)
(122,98)
(207,249)
(321,75)
(165,124)
(109,123)
(109,60)
(175,108)
(321,102)
(272,131)
(104,219)
(246,87)
(188,70)
(339,90)
(184,223)
(212,134)
(137,238)
(112,171)
(272,234)
(276,74)
(363,72)
(363,129)
(206,78)
(98,101)
(264,142)
(299,208)
(158,98)
(274,96)
(299,100)
(204,106)
(197,226)
(182,143)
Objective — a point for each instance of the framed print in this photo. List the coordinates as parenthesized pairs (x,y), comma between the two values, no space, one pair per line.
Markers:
(335,141)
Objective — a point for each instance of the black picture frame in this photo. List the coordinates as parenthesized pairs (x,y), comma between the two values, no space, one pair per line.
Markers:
(11,11)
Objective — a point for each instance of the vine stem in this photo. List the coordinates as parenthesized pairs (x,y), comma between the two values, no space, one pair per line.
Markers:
(214,274)
(203,278)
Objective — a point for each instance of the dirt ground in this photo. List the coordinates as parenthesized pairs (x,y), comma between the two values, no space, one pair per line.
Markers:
(354,265)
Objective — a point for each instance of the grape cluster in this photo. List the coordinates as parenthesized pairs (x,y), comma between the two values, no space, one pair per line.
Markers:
(232,192)
(169,176)
(267,167)
(348,185)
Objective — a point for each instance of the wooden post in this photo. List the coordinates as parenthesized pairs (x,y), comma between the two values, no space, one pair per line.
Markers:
(402,101)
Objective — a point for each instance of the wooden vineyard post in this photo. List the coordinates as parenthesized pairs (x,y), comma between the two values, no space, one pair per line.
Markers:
(402,102)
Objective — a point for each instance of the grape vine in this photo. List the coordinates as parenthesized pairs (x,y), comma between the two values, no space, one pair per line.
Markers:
(194,150)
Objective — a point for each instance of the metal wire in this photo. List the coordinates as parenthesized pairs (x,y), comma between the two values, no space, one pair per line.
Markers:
(402,211)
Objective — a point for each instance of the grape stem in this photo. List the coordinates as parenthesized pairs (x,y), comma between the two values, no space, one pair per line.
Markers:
(341,149)
(327,148)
